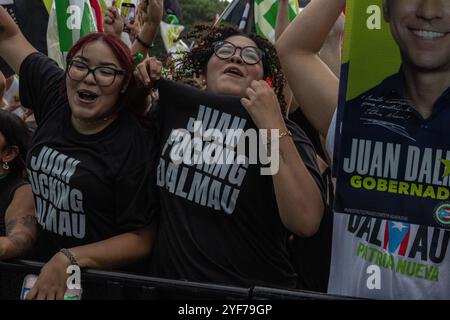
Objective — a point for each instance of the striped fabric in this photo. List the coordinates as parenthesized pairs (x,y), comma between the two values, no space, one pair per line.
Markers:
(266,16)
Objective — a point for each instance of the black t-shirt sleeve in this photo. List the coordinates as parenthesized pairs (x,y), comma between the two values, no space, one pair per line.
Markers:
(308,154)
(15,184)
(40,84)
(14,189)
(137,204)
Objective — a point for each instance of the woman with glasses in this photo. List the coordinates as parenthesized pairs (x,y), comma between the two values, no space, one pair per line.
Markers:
(242,241)
(88,160)
(17,221)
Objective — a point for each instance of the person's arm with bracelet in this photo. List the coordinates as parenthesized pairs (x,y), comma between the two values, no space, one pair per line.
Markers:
(20,222)
(299,199)
(136,210)
(111,253)
(313,84)
(152,12)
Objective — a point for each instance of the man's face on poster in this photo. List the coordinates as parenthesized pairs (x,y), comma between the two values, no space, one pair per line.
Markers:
(421,28)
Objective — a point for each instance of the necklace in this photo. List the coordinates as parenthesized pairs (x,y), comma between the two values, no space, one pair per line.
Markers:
(91,126)
(94,121)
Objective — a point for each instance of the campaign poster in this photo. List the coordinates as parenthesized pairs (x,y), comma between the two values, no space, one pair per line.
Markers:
(392,162)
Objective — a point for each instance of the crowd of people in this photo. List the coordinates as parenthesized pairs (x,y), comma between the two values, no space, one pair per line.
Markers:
(88,174)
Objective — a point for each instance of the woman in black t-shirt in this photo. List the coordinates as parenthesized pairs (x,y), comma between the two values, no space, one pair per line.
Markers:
(241,241)
(88,160)
(17,221)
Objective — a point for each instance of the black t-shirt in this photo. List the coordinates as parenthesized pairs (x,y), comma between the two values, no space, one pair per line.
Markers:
(300,119)
(8,186)
(87,188)
(219,223)
(311,257)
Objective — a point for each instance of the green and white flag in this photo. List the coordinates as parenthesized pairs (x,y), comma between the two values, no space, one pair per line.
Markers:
(69,20)
(75,19)
(170,33)
(266,16)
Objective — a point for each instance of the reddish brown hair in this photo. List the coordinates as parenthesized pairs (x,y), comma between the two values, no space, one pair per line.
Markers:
(123,55)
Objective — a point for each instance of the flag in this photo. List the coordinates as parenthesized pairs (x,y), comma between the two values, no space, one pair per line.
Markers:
(266,16)
(69,20)
(258,15)
(48,4)
(245,15)
(396,237)
(40,29)
(74,19)
(169,34)
(98,15)
(234,12)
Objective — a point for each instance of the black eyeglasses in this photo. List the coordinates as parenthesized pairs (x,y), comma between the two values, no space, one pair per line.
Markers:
(104,76)
(225,50)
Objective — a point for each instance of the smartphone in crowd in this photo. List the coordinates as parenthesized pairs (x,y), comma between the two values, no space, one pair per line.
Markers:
(19,111)
(128,12)
(30,280)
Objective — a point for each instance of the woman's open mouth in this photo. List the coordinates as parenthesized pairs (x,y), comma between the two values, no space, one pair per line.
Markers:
(87,96)
(233,71)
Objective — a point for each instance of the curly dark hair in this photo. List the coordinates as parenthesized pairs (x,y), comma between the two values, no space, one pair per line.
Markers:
(194,62)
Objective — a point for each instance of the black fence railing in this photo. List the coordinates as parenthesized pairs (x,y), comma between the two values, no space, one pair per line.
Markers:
(101,285)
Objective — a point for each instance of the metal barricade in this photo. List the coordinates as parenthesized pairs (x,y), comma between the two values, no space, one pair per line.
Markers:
(111,285)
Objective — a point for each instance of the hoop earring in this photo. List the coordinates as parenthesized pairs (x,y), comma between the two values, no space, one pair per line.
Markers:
(5,166)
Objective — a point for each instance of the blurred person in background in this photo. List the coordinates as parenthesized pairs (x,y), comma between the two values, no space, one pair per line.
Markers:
(17,217)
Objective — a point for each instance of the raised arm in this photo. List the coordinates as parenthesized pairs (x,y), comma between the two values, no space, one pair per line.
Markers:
(113,21)
(152,12)
(331,51)
(314,85)
(14,48)
(299,199)
(282,18)
(20,224)
(281,25)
